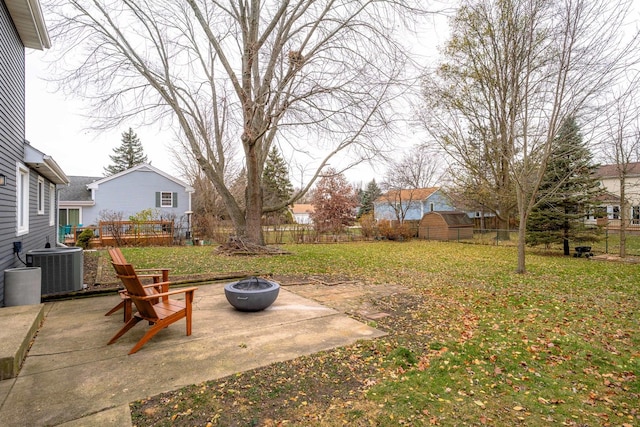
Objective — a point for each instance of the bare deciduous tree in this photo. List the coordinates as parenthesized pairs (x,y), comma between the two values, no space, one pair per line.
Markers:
(621,146)
(313,76)
(514,70)
(417,169)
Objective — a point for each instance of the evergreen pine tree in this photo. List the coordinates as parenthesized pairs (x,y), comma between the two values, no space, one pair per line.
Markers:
(367,197)
(277,187)
(568,191)
(129,154)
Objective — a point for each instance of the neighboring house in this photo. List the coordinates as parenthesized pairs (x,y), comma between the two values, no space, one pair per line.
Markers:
(302,213)
(410,205)
(87,200)
(610,181)
(28,177)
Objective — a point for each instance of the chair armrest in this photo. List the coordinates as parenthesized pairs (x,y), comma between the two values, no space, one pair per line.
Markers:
(159,287)
(162,285)
(162,294)
(146,276)
(153,269)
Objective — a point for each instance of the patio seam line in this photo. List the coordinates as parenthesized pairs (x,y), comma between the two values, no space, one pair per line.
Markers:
(99,411)
(4,401)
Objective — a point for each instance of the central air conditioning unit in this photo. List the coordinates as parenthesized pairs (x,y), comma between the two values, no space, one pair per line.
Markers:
(62,268)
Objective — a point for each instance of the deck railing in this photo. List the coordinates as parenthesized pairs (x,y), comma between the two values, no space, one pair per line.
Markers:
(122,233)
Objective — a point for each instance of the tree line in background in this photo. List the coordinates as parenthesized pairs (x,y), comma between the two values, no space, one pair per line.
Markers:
(501,105)
(568,190)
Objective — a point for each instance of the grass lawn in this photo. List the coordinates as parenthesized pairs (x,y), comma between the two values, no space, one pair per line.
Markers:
(471,343)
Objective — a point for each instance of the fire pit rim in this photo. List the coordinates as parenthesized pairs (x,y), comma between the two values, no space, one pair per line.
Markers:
(251,280)
(252,299)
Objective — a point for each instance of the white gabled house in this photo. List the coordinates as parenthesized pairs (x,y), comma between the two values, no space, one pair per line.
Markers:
(610,181)
(302,213)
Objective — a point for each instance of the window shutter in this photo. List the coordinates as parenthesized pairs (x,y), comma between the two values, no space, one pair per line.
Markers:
(157,199)
(175,200)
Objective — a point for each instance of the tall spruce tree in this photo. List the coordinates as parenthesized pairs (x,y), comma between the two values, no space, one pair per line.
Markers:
(568,191)
(129,154)
(277,187)
(367,197)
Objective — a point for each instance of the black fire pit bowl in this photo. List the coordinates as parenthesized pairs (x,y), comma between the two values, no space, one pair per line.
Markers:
(252,294)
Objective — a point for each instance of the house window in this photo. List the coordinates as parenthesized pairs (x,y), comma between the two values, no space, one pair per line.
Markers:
(22,197)
(69,216)
(166,199)
(52,204)
(635,215)
(616,212)
(431,207)
(40,196)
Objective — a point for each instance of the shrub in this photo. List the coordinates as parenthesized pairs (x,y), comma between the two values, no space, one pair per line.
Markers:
(84,238)
(391,230)
(368,225)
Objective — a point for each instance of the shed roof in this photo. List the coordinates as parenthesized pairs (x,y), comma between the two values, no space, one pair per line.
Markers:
(453,218)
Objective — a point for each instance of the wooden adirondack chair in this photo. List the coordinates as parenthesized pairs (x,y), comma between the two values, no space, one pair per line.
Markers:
(158,275)
(160,314)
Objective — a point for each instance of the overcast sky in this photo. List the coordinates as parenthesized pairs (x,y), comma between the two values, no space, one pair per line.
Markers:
(57,126)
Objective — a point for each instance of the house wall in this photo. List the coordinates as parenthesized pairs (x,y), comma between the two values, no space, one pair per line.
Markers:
(12,130)
(417,208)
(632,194)
(440,203)
(134,192)
(302,218)
(11,135)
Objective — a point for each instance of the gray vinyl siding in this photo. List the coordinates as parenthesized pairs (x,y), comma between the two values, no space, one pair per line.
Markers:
(11,136)
(12,130)
(39,228)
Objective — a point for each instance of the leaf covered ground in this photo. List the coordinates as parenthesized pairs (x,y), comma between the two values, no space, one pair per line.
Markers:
(469,343)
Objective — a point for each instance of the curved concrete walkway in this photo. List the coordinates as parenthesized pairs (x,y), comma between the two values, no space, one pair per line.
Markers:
(71,377)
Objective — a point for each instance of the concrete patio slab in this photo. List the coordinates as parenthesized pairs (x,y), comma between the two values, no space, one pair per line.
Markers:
(71,377)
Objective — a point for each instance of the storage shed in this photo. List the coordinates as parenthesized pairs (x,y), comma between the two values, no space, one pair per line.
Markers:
(449,225)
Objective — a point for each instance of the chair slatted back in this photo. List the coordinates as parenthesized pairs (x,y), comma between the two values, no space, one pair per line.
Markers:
(134,287)
(116,256)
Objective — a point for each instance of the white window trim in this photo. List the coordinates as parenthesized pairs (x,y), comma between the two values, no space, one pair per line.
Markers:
(40,196)
(52,204)
(22,200)
(162,204)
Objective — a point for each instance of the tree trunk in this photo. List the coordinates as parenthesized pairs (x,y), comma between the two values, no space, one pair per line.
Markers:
(253,214)
(623,218)
(522,231)
(565,240)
